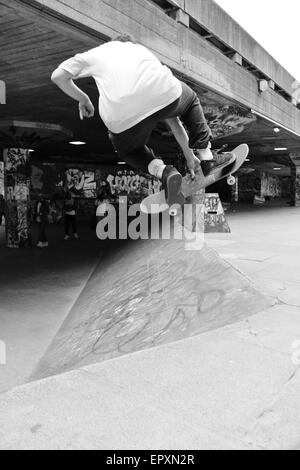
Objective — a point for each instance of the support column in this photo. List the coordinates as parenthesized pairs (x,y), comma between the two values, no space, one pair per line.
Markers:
(295,179)
(17,137)
(17,195)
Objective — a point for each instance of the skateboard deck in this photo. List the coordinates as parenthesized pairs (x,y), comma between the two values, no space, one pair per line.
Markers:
(156,203)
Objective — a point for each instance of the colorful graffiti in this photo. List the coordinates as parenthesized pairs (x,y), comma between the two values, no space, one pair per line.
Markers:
(17,195)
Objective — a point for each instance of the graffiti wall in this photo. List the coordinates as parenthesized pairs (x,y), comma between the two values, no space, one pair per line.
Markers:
(132,184)
(86,183)
(2,178)
(296,186)
(262,185)
(215,219)
(48,179)
(17,190)
(80,182)
(270,185)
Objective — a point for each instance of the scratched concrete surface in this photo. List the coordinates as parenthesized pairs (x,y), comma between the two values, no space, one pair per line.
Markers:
(145,294)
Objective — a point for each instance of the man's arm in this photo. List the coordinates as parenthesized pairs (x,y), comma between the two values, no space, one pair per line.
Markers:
(64,81)
(182,138)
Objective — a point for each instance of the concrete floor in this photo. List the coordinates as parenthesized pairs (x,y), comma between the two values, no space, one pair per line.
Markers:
(233,388)
(37,291)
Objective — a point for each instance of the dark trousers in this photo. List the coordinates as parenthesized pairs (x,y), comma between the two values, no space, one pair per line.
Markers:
(131,145)
(70,222)
(42,230)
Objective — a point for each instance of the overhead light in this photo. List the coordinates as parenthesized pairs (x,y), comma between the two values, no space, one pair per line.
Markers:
(31,150)
(122,163)
(247,160)
(280,149)
(277,130)
(276,169)
(77,142)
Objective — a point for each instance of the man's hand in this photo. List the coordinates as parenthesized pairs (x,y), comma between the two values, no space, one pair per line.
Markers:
(193,163)
(182,138)
(64,81)
(86,109)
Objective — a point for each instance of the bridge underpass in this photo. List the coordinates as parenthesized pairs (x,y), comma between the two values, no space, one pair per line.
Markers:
(226,69)
(222,63)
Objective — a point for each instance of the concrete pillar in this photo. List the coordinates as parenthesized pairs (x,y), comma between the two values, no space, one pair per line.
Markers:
(295,179)
(295,186)
(17,195)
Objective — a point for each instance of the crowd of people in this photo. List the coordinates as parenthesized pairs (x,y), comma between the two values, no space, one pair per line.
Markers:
(45,211)
(69,210)
(70,215)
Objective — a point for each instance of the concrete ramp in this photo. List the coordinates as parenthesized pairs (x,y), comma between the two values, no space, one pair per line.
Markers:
(145,294)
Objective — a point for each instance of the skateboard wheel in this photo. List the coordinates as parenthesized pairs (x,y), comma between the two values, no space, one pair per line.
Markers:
(231,180)
(173,212)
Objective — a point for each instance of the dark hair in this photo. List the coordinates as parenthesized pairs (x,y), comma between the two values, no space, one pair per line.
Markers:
(126,37)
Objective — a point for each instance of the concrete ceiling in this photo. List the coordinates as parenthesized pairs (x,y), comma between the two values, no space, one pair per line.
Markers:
(33,44)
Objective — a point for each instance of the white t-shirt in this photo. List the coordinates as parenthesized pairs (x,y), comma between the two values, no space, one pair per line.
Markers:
(132,82)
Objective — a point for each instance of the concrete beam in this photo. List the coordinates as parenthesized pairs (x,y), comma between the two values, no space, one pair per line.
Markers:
(178,47)
(181,17)
(212,17)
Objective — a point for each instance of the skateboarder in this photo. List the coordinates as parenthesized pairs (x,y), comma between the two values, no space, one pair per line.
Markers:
(136,93)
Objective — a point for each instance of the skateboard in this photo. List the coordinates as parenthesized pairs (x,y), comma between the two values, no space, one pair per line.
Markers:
(156,203)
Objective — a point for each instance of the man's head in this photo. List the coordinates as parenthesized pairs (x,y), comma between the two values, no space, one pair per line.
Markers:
(125,37)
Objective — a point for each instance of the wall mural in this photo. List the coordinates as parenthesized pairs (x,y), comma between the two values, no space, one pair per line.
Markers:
(17,192)
(49,179)
(215,219)
(85,183)
(262,185)
(296,186)
(81,183)
(270,186)
(227,120)
(2,178)
(132,184)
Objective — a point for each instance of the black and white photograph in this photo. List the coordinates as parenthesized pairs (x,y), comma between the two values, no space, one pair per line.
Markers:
(149,228)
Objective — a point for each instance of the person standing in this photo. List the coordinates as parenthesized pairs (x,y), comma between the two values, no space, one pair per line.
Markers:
(70,216)
(42,211)
(2,208)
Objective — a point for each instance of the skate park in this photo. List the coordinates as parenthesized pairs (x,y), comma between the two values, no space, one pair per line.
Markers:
(134,344)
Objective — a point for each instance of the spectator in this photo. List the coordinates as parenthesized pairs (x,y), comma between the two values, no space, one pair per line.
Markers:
(104,197)
(70,216)
(42,211)
(2,208)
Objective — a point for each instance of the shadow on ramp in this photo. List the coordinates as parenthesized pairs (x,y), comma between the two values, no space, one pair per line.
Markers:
(145,294)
